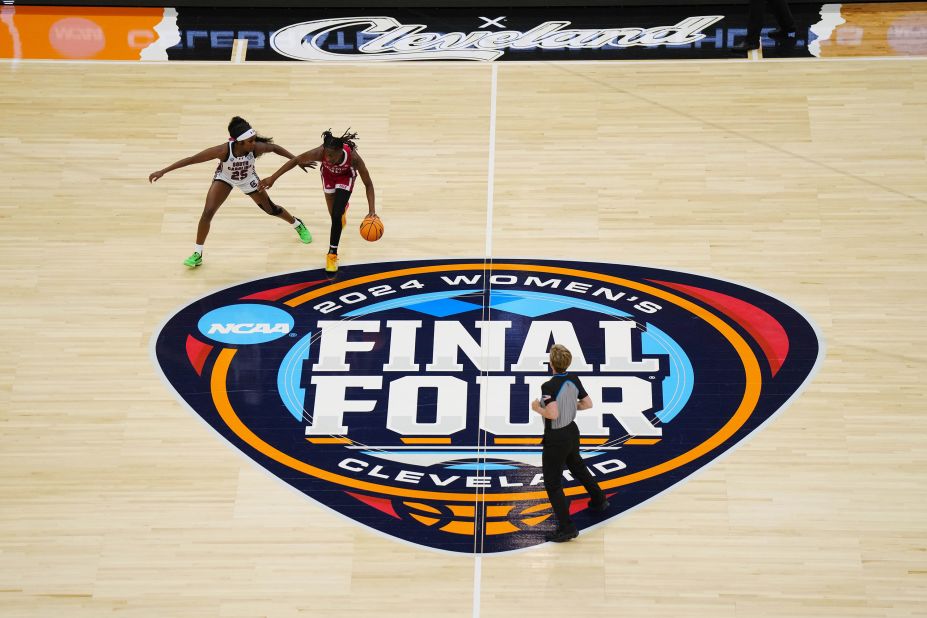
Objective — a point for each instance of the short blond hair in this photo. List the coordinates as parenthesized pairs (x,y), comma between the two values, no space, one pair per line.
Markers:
(560,357)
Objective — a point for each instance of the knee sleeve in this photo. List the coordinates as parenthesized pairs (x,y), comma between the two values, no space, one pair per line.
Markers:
(273,210)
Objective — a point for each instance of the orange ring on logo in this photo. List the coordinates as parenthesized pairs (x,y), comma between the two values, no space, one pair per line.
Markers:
(746,407)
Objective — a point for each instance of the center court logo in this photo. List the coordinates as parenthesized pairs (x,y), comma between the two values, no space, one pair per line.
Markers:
(399,396)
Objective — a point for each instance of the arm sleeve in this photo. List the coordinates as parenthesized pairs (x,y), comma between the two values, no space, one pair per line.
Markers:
(579,387)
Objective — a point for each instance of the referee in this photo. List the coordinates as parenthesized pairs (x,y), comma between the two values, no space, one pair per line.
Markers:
(561,397)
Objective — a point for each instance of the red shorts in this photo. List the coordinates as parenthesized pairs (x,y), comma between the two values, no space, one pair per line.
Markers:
(330,182)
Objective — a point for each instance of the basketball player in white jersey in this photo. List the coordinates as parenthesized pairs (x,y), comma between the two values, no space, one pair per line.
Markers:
(236,169)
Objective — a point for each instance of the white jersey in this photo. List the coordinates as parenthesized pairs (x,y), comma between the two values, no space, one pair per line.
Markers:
(238,171)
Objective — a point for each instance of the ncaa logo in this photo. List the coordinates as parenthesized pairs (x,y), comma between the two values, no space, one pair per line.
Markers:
(399,395)
(245,323)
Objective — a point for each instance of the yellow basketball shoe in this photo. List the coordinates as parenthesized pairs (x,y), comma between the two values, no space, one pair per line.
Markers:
(331,263)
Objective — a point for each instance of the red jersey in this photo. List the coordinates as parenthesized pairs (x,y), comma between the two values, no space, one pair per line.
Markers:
(339,175)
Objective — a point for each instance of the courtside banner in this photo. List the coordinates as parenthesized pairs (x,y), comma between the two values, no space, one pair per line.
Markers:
(475,34)
(398,395)
(86,33)
(467,35)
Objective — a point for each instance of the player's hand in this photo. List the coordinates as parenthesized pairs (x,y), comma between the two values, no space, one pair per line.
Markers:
(155,175)
(266,183)
(307,166)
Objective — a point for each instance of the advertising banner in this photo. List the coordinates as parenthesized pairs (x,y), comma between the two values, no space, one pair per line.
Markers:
(482,34)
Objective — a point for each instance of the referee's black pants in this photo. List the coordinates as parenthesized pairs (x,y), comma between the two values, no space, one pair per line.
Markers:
(561,447)
(780,9)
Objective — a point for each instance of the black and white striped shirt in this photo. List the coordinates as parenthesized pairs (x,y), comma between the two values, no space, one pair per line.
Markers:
(566,389)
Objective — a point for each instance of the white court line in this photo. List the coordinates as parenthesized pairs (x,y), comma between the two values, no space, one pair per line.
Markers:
(479,545)
(239,49)
(477,576)
(492,161)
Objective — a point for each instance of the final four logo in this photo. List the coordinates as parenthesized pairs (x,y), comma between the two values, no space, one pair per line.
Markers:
(400,395)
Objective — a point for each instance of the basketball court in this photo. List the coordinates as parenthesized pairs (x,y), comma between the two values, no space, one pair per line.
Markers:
(801,178)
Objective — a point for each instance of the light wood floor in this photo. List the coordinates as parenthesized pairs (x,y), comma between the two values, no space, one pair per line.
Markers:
(804,179)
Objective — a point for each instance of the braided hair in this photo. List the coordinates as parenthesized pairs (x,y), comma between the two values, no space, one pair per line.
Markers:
(337,143)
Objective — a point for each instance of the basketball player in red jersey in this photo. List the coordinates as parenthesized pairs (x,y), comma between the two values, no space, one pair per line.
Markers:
(236,169)
(340,165)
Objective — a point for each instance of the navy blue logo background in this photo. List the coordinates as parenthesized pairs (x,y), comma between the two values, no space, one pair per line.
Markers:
(399,395)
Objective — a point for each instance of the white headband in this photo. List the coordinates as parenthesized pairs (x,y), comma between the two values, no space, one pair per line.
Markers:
(246,135)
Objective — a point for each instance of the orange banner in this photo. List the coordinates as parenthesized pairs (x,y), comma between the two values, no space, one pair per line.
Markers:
(77,33)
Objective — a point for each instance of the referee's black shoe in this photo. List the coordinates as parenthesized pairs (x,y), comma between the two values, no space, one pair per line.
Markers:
(562,535)
(745,45)
(598,507)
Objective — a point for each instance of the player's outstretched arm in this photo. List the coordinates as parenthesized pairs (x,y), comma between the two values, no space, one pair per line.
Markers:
(304,159)
(216,152)
(283,152)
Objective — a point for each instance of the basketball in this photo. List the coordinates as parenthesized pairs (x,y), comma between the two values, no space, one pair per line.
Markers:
(371,228)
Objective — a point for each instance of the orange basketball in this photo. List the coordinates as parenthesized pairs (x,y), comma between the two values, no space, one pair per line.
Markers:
(371,228)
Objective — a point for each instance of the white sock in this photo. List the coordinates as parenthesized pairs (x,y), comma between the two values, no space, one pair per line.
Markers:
(198,249)
(296,223)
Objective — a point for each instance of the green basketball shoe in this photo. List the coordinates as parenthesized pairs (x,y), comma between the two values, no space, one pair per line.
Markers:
(303,232)
(194,260)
